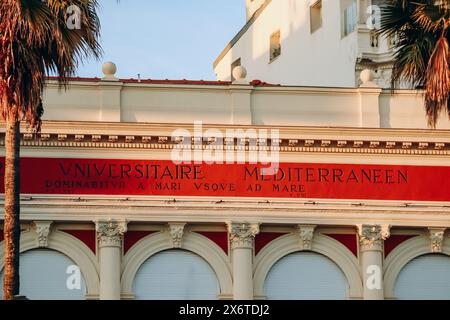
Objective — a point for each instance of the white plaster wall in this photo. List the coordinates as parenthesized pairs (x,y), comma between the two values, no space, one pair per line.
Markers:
(302,108)
(252,6)
(406,110)
(78,104)
(323,58)
(175,105)
(243,105)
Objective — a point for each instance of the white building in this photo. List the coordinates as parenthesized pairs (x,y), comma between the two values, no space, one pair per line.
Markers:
(365,187)
(308,43)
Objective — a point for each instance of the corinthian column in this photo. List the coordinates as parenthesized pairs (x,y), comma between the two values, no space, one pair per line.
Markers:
(109,239)
(371,247)
(242,237)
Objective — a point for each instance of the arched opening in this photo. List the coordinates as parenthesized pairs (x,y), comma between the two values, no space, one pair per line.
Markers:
(49,275)
(424,278)
(175,275)
(305,276)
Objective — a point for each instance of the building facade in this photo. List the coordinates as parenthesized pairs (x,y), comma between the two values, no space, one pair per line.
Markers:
(356,207)
(296,42)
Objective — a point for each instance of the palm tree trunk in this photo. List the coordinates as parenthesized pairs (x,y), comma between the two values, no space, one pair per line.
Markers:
(12,209)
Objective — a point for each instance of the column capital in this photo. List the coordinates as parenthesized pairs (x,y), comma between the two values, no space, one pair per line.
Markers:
(371,237)
(110,232)
(242,235)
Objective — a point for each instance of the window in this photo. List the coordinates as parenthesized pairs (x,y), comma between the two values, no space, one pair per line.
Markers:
(316,16)
(275,45)
(350,18)
(236,63)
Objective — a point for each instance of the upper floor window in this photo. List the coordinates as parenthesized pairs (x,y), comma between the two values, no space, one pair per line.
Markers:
(316,16)
(275,45)
(350,18)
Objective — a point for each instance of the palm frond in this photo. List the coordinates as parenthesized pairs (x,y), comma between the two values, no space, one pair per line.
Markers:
(421,54)
(438,81)
(36,41)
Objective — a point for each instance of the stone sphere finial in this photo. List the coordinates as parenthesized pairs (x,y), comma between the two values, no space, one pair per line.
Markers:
(367,76)
(109,69)
(239,73)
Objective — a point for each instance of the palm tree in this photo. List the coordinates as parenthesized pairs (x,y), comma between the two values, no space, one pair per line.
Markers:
(37,38)
(422,54)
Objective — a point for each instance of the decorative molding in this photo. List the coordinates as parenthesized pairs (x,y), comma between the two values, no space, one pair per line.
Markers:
(146,139)
(176,231)
(66,140)
(436,239)
(28,136)
(407,145)
(242,235)
(45,136)
(371,237)
(42,232)
(110,233)
(96,138)
(310,143)
(306,233)
(113,139)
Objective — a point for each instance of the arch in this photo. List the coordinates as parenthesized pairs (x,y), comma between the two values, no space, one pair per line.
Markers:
(192,242)
(402,255)
(70,246)
(176,274)
(305,276)
(321,244)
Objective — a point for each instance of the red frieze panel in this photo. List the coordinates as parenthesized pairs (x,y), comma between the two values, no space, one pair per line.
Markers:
(264,238)
(88,237)
(132,237)
(394,241)
(219,238)
(292,180)
(348,240)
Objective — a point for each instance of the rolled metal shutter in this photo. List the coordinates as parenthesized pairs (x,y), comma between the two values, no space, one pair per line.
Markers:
(425,278)
(43,276)
(176,275)
(305,276)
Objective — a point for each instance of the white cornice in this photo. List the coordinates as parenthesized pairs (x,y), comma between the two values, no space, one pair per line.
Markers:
(326,212)
(104,135)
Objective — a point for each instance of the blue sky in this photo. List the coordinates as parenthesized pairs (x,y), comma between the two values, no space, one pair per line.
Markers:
(173,39)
